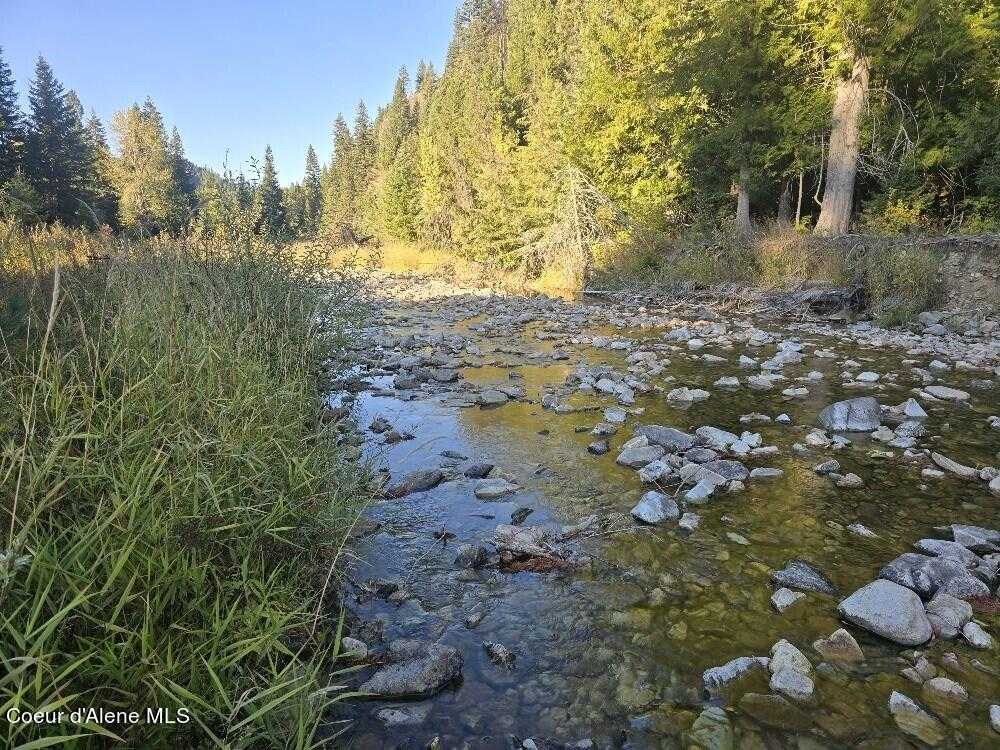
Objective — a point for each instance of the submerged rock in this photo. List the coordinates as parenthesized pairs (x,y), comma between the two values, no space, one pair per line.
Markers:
(840,648)
(775,711)
(415,669)
(716,678)
(499,654)
(415,481)
(712,730)
(784,598)
(854,415)
(889,610)
(913,720)
(491,489)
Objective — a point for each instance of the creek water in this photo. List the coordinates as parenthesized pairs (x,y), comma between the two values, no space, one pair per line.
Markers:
(613,650)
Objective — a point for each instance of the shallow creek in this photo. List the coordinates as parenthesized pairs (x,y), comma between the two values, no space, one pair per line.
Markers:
(613,650)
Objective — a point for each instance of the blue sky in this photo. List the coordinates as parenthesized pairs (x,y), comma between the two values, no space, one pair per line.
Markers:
(230,74)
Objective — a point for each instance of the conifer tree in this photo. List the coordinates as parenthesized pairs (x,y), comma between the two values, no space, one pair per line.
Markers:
(11,125)
(104,201)
(312,194)
(269,206)
(55,155)
(185,178)
(338,198)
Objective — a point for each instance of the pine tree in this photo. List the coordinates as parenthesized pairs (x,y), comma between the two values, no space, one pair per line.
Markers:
(55,155)
(104,200)
(185,178)
(11,125)
(270,209)
(312,194)
(338,197)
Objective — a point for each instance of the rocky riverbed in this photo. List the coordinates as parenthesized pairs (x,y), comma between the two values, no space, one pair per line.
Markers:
(645,524)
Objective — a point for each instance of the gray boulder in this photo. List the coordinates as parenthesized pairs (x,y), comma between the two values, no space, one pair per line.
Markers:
(731,470)
(854,415)
(655,507)
(928,575)
(802,576)
(889,610)
(948,615)
(671,440)
(415,669)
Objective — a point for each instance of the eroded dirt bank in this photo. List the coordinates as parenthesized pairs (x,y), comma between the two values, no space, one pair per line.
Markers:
(617,525)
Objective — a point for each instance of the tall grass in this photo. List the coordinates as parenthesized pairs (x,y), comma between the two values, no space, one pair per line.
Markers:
(170,504)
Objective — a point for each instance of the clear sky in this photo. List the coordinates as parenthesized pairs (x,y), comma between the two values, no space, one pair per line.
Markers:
(232,75)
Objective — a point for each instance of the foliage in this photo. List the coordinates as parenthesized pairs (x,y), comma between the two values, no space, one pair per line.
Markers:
(172,505)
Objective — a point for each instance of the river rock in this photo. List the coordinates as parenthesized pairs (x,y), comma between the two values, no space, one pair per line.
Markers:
(415,481)
(352,648)
(598,447)
(802,576)
(889,610)
(976,636)
(945,393)
(944,696)
(928,575)
(784,655)
(854,415)
(712,730)
(499,654)
(522,540)
(948,615)
(913,720)
(951,550)
(635,456)
(717,678)
(687,395)
(840,648)
(415,669)
(655,507)
(976,538)
(953,467)
(491,397)
(404,716)
(995,717)
(793,684)
(775,711)
(689,522)
(668,438)
(478,470)
(715,438)
(729,470)
(783,599)
(492,489)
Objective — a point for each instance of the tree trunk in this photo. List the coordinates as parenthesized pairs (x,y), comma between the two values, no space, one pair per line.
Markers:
(785,205)
(798,205)
(842,164)
(743,225)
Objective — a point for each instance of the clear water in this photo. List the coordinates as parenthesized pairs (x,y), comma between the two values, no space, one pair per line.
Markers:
(615,650)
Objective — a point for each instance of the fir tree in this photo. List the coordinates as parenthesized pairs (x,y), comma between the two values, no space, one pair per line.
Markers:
(312,194)
(270,209)
(55,154)
(11,125)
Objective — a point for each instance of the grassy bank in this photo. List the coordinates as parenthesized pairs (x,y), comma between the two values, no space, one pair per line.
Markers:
(171,503)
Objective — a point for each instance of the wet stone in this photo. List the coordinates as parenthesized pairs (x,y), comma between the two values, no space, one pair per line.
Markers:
(775,711)
(840,648)
(415,669)
(889,610)
(914,720)
(801,576)
(783,599)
